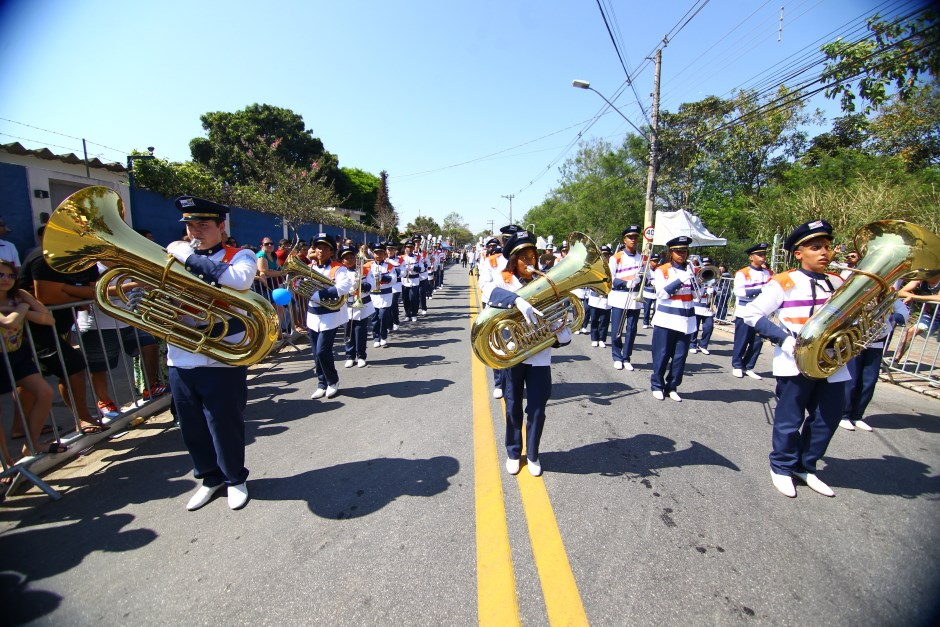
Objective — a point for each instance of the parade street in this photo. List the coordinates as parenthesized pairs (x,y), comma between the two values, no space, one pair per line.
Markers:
(390,504)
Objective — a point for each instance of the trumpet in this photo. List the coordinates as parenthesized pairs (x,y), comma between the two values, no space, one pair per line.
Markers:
(360,264)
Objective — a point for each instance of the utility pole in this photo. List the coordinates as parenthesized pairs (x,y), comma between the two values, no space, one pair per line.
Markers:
(490,222)
(510,197)
(648,218)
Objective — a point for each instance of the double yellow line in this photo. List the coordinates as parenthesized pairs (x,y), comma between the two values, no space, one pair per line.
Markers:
(497,599)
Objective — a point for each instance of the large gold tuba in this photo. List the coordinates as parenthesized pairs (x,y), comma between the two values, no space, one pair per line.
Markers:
(303,282)
(88,227)
(502,338)
(853,318)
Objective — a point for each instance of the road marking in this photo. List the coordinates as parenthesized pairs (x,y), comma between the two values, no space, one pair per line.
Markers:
(559,589)
(497,603)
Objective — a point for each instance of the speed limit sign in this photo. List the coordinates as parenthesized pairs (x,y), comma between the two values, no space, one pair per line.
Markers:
(648,233)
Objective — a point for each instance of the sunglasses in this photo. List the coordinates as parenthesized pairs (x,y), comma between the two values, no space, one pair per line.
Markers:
(267,243)
(8,275)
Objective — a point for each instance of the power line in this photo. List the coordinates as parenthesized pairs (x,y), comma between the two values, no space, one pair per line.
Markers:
(46,130)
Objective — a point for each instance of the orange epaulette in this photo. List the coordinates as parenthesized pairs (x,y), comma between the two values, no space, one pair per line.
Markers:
(783,278)
(507,277)
(230,252)
(665,269)
(493,259)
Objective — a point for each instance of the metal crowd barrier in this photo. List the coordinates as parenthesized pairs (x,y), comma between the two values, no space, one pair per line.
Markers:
(915,349)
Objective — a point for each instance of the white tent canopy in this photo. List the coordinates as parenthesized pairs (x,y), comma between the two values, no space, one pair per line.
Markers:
(670,224)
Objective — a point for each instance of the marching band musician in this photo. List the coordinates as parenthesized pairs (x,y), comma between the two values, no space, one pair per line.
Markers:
(808,410)
(410,271)
(674,320)
(600,310)
(626,267)
(533,377)
(704,316)
(210,396)
(649,291)
(360,318)
(491,264)
(323,323)
(748,283)
(383,274)
(424,283)
(394,260)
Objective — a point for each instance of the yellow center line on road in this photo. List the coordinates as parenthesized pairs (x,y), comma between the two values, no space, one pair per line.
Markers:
(497,600)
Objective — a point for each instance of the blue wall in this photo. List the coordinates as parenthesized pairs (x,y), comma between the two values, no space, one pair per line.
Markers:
(15,207)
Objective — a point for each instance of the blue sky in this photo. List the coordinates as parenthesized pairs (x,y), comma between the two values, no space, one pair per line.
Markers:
(462,103)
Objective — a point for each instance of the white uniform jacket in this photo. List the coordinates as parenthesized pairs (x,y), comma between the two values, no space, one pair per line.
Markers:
(320,318)
(626,270)
(674,298)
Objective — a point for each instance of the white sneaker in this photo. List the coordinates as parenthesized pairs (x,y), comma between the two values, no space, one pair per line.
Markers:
(498,393)
(675,396)
(847,425)
(646,326)
(360,363)
(627,366)
(814,483)
(693,350)
(618,365)
(535,468)
(349,363)
(202,496)
(658,395)
(375,344)
(332,390)
(423,312)
(602,345)
(318,393)
(704,351)
(784,484)
(753,375)
(594,344)
(383,343)
(864,426)
(394,327)
(585,330)
(238,495)
(738,373)
(512,466)
(578,332)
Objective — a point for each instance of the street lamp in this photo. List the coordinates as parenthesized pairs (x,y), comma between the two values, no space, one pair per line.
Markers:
(651,173)
(130,171)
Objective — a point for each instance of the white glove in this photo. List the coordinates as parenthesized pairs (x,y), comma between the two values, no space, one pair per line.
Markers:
(180,250)
(530,313)
(788,346)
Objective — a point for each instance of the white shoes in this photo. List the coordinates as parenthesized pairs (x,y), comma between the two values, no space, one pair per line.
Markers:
(594,344)
(512,466)
(618,365)
(394,327)
(318,393)
(814,483)
(202,496)
(332,390)
(535,468)
(646,326)
(784,484)
(627,366)
(847,425)
(578,332)
(383,343)
(704,351)
(738,373)
(675,396)
(238,495)
(864,426)
(658,395)
(360,363)
(423,312)
(349,363)
(753,375)
(376,344)
(498,393)
(693,350)
(602,345)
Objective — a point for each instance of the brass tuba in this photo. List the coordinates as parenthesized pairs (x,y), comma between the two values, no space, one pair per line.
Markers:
(854,317)
(304,282)
(502,338)
(89,227)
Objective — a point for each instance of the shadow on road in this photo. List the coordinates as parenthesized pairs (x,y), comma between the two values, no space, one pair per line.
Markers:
(641,455)
(359,488)
(890,475)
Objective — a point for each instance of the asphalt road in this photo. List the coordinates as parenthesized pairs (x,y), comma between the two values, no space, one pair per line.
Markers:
(388,505)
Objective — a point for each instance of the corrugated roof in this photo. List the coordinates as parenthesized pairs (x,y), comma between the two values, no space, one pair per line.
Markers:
(17,148)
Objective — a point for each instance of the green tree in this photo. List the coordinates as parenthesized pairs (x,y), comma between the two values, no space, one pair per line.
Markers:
(910,128)
(360,188)
(423,225)
(174,179)
(454,228)
(898,53)
(384,215)
(233,140)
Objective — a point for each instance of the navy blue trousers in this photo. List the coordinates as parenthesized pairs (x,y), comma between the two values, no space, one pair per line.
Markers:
(409,297)
(396,302)
(210,404)
(747,344)
(807,414)
(647,309)
(535,384)
(423,292)
(621,346)
(321,346)
(357,339)
(864,369)
(600,324)
(670,348)
(381,323)
(705,324)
